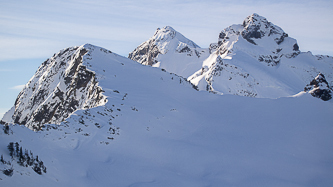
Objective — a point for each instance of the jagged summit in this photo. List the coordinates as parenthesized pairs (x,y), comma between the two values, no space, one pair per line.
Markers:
(167,33)
(271,42)
(254,19)
(260,23)
(256,27)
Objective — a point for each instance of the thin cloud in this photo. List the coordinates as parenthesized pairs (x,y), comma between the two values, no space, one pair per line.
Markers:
(6,70)
(18,87)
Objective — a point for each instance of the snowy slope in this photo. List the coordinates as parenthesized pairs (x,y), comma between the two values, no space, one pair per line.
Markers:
(170,50)
(156,130)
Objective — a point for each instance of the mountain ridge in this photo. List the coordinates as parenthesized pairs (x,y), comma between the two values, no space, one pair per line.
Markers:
(65,83)
(123,123)
(250,59)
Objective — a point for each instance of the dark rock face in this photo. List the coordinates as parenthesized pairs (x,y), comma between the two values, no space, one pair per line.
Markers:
(256,27)
(281,39)
(213,47)
(319,88)
(222,35)
(185,50)
(61,85)
(145,53)
(253,32)
(269,59)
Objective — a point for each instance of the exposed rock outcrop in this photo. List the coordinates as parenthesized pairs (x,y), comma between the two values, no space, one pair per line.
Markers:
(319,88)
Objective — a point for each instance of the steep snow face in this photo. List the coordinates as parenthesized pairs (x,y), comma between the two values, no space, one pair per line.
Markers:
(60,86)
(170,50)
(258,59)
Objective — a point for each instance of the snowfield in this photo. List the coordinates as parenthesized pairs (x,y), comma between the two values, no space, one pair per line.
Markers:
(157,130)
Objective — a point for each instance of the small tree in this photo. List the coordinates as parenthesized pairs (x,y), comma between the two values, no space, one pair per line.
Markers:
(11,149)
(2,160)
(37,169)
(17,148)
(21,157)
(6,129)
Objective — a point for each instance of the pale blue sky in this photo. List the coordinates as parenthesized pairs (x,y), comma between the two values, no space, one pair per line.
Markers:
(32,31)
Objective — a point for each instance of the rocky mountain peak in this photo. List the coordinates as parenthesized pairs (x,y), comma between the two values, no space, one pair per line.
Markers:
(61,85)
(254,20)
(256,27)
(270,42)
(164,34)
(167,33)
(167,43)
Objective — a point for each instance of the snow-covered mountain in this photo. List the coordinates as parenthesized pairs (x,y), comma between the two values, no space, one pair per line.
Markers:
(61,85)
(170,50)
(100,119)
(255,59)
